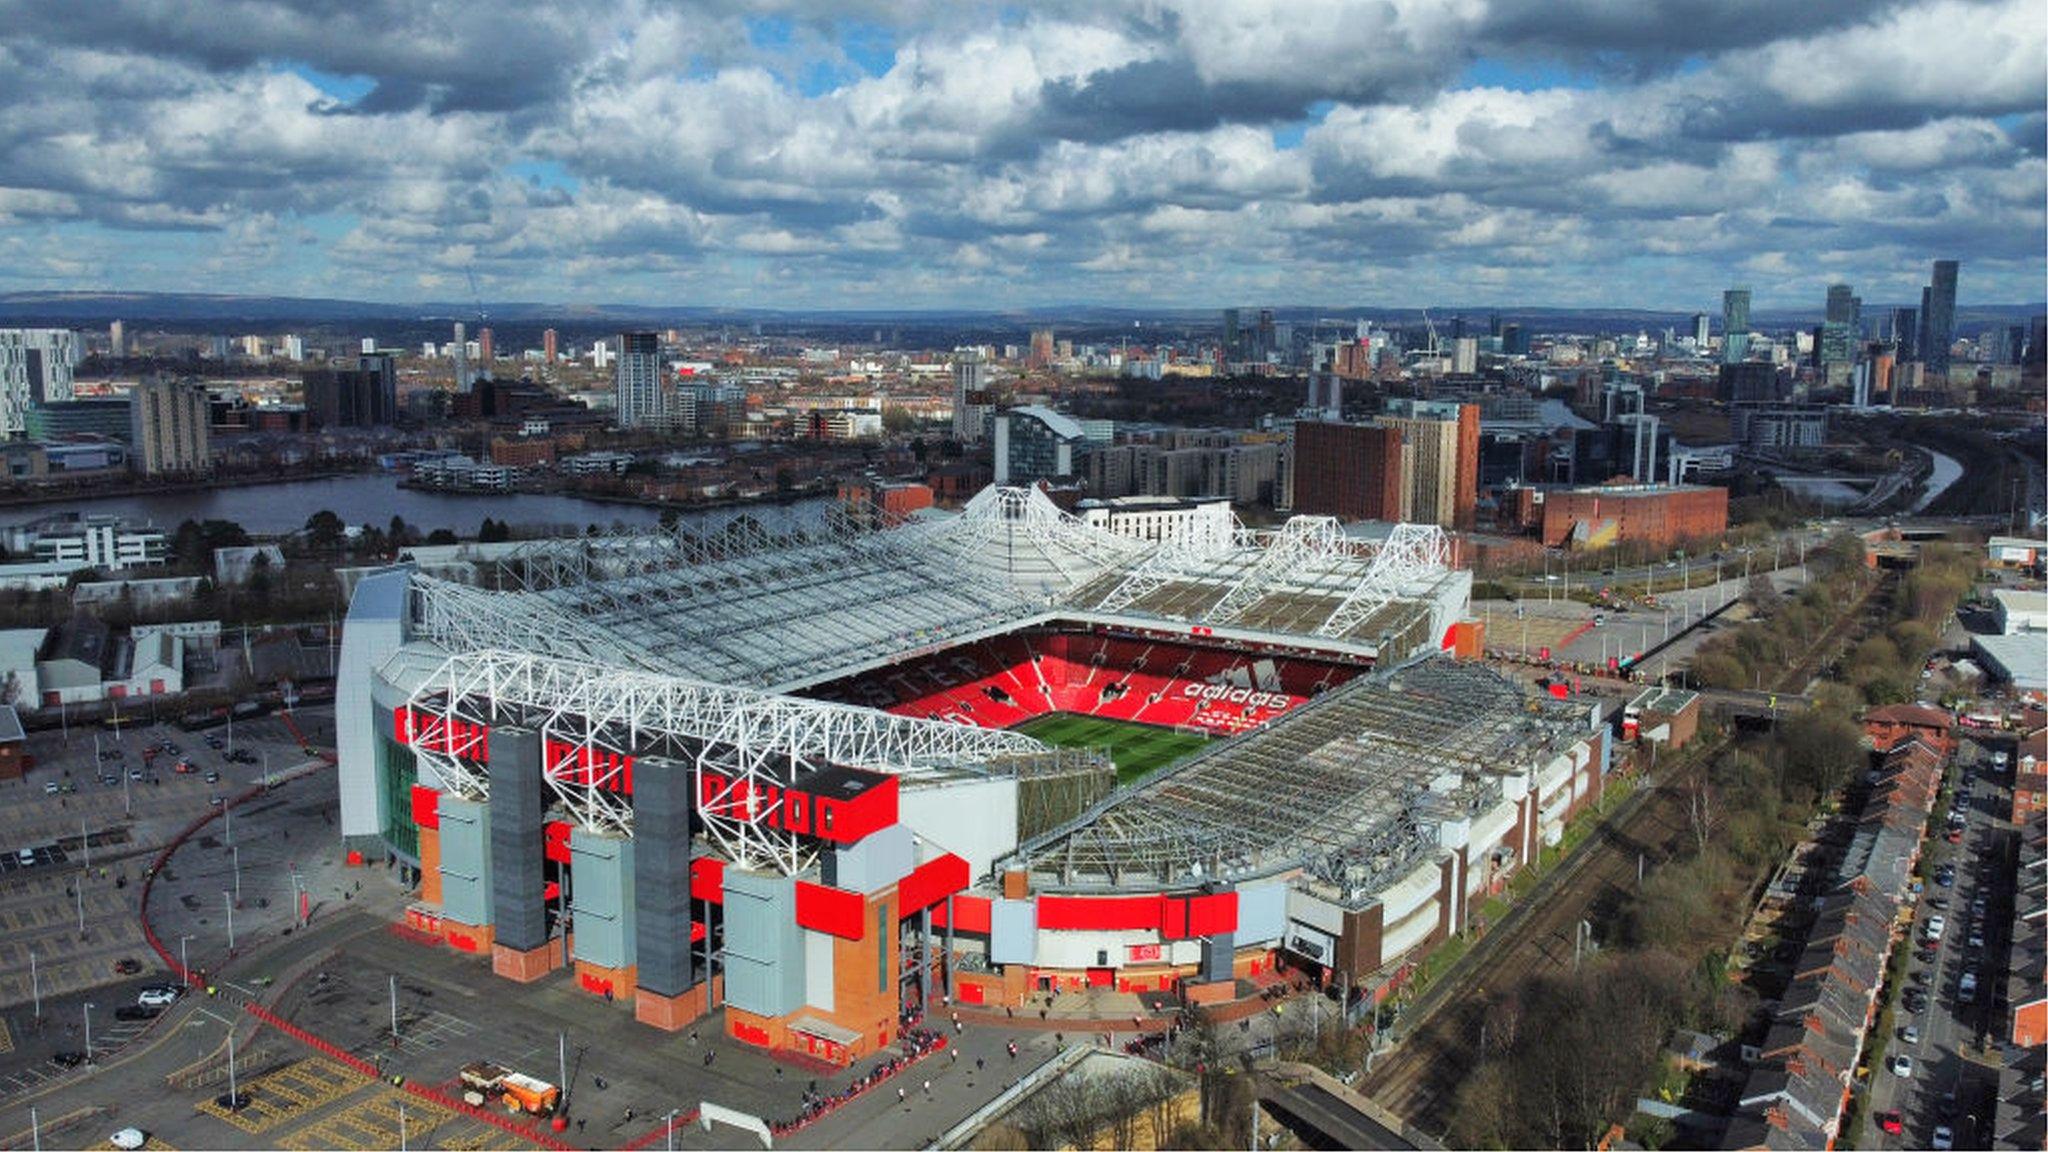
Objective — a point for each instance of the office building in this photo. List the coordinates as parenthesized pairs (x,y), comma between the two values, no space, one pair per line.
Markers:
(1034,443)
(971,401)
(1734,325)
(358,392)
(1514,340)
(1749,380)
(1938,317)
(1659,515)
(1465,355)
(1701,331)
(117,340)
(35,368)
(1351,471)
(73,419)
(487,349)
(642,402)
(548,346)
(170,422)
(1779,429)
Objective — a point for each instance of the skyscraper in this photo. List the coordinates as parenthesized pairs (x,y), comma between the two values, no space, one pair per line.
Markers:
(486,348)
(358,392)
(637,381)
(1734,325)
(1351,471)
(461,359)
(971,403)
(117,339)
(1938,317)
(1906,333)
(547,346)
(1700,330)
(1836,341)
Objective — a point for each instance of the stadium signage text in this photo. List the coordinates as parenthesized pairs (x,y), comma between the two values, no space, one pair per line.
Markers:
(1224,692)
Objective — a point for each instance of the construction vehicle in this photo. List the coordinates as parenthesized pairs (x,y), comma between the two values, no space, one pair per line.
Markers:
(483,1081)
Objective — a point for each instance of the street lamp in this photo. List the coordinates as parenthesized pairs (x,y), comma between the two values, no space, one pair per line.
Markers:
(35,984)
(88,1033)
(670,1125)
(234,1094)
(183,965)
(228,899)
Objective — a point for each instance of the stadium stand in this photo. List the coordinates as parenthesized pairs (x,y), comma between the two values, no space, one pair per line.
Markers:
(1003,682)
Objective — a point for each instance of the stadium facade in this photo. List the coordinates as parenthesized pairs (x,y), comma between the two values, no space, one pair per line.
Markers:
(778,774)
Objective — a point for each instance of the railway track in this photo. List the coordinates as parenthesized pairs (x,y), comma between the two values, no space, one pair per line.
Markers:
(1418,1080)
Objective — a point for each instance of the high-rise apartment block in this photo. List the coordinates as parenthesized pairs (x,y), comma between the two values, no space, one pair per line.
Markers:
(1351,471)
(1734,325)
(642,402)
(170,421)
(35,368)
(117,340)
(1938,317)
(972,404)
(548,346)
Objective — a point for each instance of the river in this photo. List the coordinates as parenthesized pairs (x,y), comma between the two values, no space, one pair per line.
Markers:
(1947,470)
(274,509)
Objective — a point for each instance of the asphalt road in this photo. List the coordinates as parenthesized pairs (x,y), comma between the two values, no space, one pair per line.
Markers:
(1951,1082)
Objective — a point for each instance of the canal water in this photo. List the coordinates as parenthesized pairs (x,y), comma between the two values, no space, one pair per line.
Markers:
(273,509)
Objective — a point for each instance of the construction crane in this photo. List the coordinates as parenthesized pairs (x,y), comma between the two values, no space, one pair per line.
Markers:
(482,317)
(1434,347)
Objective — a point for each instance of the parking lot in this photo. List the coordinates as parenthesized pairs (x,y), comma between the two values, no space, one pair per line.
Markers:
(75,837)
(1938,1083)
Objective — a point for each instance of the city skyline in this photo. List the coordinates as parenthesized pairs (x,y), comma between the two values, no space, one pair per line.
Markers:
(935,157)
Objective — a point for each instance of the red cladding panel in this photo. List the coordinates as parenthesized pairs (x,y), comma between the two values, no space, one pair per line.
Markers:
(556,844)
(707,880)
(796,812)
(845,821)
(1209,915)
(1104,912)
(426,807)
(929,883)
(972,913)
(1173,918)
(833,911)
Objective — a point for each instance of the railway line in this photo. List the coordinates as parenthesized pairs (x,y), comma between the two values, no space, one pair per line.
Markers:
(1418,1080)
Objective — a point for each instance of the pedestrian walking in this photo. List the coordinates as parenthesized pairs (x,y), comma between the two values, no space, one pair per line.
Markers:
(927,1088)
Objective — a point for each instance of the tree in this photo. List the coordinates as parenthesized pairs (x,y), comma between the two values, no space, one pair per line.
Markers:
(324,531)
(493,532)
(400,534)
(896,420)
(441,536)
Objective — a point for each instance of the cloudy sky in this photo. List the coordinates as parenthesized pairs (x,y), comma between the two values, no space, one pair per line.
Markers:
(1178,152)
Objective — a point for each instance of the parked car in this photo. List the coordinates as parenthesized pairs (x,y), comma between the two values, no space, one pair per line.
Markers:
(1944,1138)
(1891,1122)
(233,1102)
(157,996)
(68,1059)
(1902,1066)
(127,966)
(213,777)
(52,788)
(129,1139)
(1910,1034)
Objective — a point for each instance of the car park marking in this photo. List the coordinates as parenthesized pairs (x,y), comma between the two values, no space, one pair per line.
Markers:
(372,1123)
(286,1094)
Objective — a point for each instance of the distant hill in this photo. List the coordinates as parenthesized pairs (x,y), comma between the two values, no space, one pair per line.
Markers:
(227,311)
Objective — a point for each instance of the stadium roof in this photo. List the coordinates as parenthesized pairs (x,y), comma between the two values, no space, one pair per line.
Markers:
(745,608)
(1350,789)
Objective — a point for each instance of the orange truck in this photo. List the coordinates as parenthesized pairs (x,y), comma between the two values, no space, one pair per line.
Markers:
(484,1081)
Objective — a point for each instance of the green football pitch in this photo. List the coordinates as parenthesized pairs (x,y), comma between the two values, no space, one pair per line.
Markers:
(1136,748)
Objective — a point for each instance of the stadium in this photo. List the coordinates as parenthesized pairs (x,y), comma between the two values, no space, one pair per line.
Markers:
(820,779)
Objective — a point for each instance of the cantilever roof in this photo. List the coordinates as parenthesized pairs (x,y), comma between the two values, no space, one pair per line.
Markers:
(1350,788)
(746,608)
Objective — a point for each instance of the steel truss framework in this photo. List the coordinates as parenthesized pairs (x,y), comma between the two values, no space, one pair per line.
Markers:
(753,741)
(1349,791)
(743,606)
